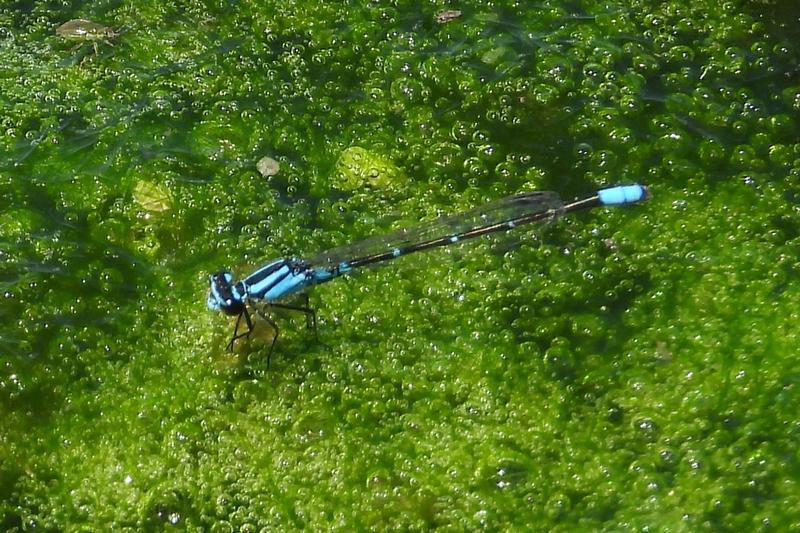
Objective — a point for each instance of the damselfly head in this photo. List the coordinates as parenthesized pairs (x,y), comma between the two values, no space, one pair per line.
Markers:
(223,296)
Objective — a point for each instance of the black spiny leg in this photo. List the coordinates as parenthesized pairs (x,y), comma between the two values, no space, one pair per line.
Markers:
(311,314)
(312,323)
(236,334)
(275,337)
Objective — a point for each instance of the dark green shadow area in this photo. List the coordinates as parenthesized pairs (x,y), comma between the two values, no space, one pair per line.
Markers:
(619,369)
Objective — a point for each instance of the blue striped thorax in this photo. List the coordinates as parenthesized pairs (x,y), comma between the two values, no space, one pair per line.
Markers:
(269,283)
(278,279)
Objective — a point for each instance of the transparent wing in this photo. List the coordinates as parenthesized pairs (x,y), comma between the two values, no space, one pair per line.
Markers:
(506,209)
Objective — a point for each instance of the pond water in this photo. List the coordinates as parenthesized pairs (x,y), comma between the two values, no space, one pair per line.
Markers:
(618,369)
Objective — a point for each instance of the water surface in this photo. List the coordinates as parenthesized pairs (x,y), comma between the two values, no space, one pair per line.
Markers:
(620,369)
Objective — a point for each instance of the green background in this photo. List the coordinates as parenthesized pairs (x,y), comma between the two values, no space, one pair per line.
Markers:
(620,369)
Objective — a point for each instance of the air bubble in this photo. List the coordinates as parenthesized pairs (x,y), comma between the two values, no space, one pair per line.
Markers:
(582,151)
(475,168)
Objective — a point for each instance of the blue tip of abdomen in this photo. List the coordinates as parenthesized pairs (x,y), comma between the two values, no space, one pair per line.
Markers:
(623,194)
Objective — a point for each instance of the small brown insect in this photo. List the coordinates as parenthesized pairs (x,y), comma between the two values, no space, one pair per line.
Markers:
(443,17)
(86,31)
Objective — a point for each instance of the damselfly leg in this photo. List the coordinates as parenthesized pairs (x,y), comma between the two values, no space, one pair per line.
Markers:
(311,319)
(236,334)
(275,328)
(311,314)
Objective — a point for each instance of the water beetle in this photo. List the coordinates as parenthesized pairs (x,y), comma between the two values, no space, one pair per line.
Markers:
(85,31)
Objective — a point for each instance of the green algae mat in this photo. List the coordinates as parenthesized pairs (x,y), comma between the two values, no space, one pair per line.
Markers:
(621,369)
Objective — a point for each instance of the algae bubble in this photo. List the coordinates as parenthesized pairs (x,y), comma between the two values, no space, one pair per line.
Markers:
(358,167)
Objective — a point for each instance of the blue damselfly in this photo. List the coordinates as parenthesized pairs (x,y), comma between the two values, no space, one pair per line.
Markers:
(285,277)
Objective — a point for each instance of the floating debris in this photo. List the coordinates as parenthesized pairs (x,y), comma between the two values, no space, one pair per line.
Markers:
(443,17)
(267,166)
(152,198)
